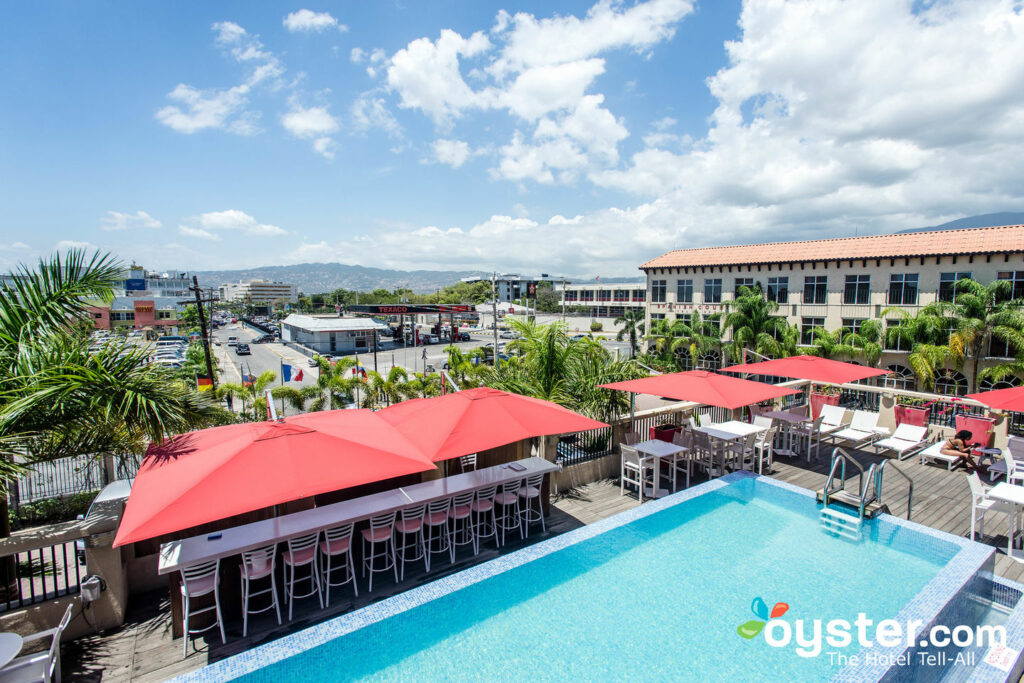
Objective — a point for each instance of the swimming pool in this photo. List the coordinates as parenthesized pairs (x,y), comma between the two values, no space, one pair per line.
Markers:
(656,593)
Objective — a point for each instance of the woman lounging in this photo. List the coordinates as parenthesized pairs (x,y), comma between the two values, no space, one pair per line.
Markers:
(959,446)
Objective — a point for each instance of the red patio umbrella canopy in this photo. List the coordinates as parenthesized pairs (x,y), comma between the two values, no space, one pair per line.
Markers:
(215,473)
(704,387)
(809,367)
(1011,399)
(474,420)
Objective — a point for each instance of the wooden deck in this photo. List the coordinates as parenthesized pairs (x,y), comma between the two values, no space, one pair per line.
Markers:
(142,650)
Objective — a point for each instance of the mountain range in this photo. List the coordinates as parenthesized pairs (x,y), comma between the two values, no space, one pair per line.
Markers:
(984,220)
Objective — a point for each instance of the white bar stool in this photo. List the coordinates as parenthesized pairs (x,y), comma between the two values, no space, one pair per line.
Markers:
(436,530)
(301,552)
(461,517)
(258,564)
(337,543)
(506,506)
(409,537)
(197,581)
(529,496)
(380,533)
(467,463)
(484,525)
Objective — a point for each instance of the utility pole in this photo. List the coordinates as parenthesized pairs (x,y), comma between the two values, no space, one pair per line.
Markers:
(202,327)
(494,310)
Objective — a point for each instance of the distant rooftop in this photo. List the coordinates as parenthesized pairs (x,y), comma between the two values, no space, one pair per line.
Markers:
(329,323)
(994,240)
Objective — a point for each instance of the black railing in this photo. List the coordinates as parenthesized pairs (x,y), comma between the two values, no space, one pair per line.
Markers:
(67,476)
(584,446)
(858,399)
(42,574)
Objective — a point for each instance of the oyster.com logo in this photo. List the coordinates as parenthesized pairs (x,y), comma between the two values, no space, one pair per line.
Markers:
(754,627)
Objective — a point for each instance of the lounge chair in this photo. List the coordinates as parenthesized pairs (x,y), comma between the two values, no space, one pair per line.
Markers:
(981,503)
(934,453)
(906,441)
(831,420)
(863,429)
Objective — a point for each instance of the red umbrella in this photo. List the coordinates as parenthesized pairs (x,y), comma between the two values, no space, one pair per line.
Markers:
(474,420)
(809,367)
(215,473)
(704,387)
(1011,399)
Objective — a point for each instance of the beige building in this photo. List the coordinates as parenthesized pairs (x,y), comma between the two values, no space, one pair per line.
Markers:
(837,283)
(258,292)
(604,300)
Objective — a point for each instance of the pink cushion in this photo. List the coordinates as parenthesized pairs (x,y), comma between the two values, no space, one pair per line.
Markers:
(529,492)
(460,512)
(199,586)
(437,518)
(257,572)
(505,498)
(482,505)
(340,545)
(298,557)
(409,526)
(379,534)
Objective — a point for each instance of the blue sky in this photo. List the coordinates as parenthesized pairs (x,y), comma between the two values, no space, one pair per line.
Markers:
(567,137)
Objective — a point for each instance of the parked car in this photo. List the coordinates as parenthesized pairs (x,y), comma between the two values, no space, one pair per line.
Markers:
(232,341)
(264,339)
(242,350)
(463,336)
(577,337)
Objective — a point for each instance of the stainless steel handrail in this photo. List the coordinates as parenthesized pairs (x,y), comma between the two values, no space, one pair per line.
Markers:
(910,483)
(839,456)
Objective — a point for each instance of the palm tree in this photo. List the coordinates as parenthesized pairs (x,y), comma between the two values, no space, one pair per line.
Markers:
(926,334)
(983,313)
(754,324)
(462,368)
(632,322)
(866,342)
(251,394)
(825,344)
(423,385)
(335,387)
(386,389)
(696,336)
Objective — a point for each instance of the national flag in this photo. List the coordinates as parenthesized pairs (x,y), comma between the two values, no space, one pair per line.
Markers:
(286,372)
(248,380)
(204,383)
(298,375)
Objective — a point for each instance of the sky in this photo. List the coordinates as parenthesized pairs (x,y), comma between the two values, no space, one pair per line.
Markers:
(575,138)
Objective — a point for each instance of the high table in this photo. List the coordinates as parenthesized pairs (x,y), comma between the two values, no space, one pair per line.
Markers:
(790,419)
(10,646)
(730,431)
(230,542)
(1014,495)
(657,449)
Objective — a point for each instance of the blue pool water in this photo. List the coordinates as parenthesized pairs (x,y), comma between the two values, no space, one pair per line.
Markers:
(659,598)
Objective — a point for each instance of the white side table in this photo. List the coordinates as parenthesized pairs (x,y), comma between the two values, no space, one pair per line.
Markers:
(10,646)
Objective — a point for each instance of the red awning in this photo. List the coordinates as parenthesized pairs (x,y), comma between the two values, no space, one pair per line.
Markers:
(809,367)
(216,473)
(704,387)
(1011,399)
(474,420)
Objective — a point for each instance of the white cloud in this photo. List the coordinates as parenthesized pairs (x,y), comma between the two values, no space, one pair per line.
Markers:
(356,55)
(115,220)
(543,89)
(306,20)
(64,245)
(451,152)
(325,147)
(191,231)
(309,123)
(210,225)
(14,246)
(372,112)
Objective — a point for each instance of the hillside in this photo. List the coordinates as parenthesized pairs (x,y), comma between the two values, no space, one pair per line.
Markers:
(315,278)
(984,220)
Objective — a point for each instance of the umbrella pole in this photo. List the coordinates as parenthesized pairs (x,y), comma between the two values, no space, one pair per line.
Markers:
(632,410)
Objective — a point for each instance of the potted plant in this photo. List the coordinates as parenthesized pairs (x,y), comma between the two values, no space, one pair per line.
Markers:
(664,431)
(981,428)
(912,411)
(823,395)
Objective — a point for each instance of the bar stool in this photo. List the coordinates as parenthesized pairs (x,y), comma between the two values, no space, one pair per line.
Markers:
(258,564)
(508,503)
(410,528)
(197,581)
(529,495)
(301,552)
(380,533)
(468,463)
(337,542)
(437,521)
(461,517)
(484,525)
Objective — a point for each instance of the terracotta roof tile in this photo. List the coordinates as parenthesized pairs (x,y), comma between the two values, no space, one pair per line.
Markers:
(1007,238)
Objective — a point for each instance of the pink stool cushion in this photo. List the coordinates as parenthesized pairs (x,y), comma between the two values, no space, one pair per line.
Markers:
(460,512)
(379,534)
(409,526)
(482,505)
(298,557)
(529,492)
(340,545)
(437,518)
(197,587)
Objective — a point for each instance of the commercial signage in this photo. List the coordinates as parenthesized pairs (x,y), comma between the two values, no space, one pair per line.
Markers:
(143,308)
(405,309)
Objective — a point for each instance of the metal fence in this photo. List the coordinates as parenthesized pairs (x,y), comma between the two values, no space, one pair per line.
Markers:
(583,446)
(67,476)
(41,574)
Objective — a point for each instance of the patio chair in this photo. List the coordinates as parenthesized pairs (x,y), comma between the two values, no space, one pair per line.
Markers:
(704,419)
(632,438)
(256,565)
(409,540)
(337,545)
(380,533)
(507,510)
(934,453)
(634,471)
(197,581)
(1014,469)
(467,463)
(863,429)
(809,434)
(981,504)
(682,461)
(905,441)
(461,520)
(691,421)
(741,451)
(763,450)
(763,421)
(484,523)
(532,509)
(436,530)
(39,666)
(1015,446)
(301,552)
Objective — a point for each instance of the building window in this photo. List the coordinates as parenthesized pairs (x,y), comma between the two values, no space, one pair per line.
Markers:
(892,341)
(621,295)
(684,291)
(657,316)
(858,288)
(997,348)
(713,291)
(639,295)
(164,315)
(947,284)
(950,383)
(1008,382)
(122,316)
(743,282)
(900,377)
(571,296)
(778,289)
(903,289)
(587,295)
(1017,279)
(853,324)
(658,288)
(98,316)
(815,289)
(807,326)
(709,361)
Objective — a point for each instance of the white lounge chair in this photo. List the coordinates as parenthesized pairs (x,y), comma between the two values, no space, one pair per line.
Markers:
(906,440)
(982,504)
(831,420)
(41,666)
(863,429)
(934,454)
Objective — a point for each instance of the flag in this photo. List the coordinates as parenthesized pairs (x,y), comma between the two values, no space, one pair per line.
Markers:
(204,383)
(286,372)
(248,380)
(298,375)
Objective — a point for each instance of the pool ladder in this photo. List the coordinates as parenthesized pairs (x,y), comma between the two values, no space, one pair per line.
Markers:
(866,499)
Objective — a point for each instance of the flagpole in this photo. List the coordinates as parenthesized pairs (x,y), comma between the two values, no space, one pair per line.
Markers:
(281,361)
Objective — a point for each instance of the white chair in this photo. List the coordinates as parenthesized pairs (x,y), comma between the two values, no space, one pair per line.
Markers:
(762,421)
(905,441)
(258,564)
(691,421)
(410,540)
(809,434)
(461,520)
(934,453)
(197,581)
(831,419)
(741,450)
(634,470)
(763,450)
(40,666)
(530,502)
(337,545)
(1014,469)
(467,463)
(682,461)
(1015,446)
(379,534)
(507,513)
(704,419)
(484,523)
(981,504)
(632,438)
(436,532)
(301,552)
(863,429)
